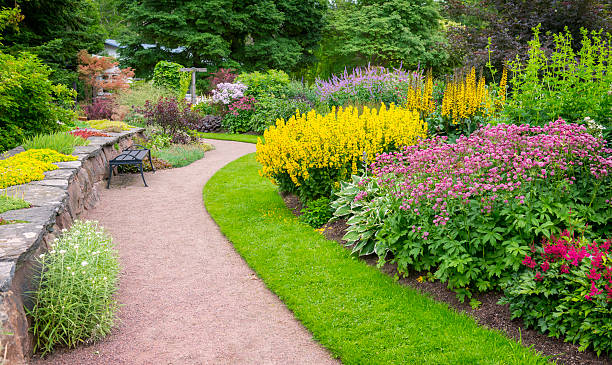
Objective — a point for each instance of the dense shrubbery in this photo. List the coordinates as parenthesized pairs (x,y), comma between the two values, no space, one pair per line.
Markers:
(29,166)
(470,210)
(29,103)
(260,84)
(310,154)
(567,84)
(100,108)
(74,302)
(566,290)
(167,75)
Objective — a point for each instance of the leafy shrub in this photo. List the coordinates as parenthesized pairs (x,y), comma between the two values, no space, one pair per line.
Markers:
(167,75)
(29,166)
(238,120)
(222,76)
(100,108)
(61,142)
(12,203)
(299,91)
(309,154)
(470,210)
(269,109)
(259,84)
(565,84)
(84,133)
(207,123)
(226,93)
(108,125)
(566,290)
(203,108)
(74,302)
(317,212)
(29,103)
(172,116)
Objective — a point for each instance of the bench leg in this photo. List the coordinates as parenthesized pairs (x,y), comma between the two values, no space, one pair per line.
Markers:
(110,175)
(142,175)
(151,161)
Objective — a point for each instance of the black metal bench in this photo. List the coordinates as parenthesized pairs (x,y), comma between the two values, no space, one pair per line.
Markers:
(130,156)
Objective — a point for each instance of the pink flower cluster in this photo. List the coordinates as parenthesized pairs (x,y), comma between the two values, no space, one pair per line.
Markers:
(244,103)
(567,252)
(494,165)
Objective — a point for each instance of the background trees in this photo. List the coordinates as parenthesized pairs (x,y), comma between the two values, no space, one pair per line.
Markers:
(253,34)
(56,30)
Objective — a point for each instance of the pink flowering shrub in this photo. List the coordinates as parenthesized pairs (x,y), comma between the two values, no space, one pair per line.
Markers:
(566,290)
(471,210)
(238,119)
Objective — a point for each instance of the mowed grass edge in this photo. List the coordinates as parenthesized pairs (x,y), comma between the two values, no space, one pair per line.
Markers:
(248,138)
(361,315)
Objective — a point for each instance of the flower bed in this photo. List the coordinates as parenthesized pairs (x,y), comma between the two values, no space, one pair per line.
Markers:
(29,166)
(84,133)
(311,153)
(471,210)
(566,290)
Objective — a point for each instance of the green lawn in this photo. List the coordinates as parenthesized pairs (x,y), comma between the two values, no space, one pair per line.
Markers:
(361,315)
(248,138)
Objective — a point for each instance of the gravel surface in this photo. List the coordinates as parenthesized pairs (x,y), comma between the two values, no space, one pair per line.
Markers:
(187,297)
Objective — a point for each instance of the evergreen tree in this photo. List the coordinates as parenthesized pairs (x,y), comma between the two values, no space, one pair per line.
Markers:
(250,34)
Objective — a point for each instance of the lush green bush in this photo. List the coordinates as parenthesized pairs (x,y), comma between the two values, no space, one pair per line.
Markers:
(74,302)
(29,103)
(565,84)
(241,111)
(269,109)
(259,84)
(167,75)
(470,210)
(317,212)
(566,291)
(61,142)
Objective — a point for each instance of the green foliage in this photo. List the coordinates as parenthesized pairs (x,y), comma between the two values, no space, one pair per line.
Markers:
(565,84)
(181,155)
(556,295)
(317,212)
(269,109)
(254,35)
(360,314)
(61,142)
(246,138)
(139,92)
(12,203)
(29,103)
(167,75)
(74,302)
(55,30)
(382,33)
(260,84)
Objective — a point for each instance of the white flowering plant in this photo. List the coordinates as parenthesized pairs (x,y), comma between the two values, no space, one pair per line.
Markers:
(78,278)
(226,92)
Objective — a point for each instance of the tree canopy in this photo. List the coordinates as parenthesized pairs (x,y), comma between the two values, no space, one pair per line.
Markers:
(56,30)
(251,34)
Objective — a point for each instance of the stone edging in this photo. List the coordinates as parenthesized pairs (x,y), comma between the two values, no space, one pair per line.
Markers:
(56,202)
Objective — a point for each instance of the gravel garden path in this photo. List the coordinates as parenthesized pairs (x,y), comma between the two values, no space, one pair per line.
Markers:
(187,297)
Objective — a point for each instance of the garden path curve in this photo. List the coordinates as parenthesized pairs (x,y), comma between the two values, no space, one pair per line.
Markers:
(187,297)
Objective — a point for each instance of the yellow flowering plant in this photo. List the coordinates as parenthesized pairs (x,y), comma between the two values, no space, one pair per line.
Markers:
(109,125)
(310,154)
(29,166)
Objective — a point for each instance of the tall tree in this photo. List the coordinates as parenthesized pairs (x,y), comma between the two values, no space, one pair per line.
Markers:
(382,32)
(251,34)
(56,30)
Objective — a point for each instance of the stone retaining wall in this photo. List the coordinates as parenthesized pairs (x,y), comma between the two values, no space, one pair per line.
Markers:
(56,202)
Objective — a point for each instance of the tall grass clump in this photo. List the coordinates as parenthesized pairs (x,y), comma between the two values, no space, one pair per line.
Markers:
(61,142)
(74,302)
